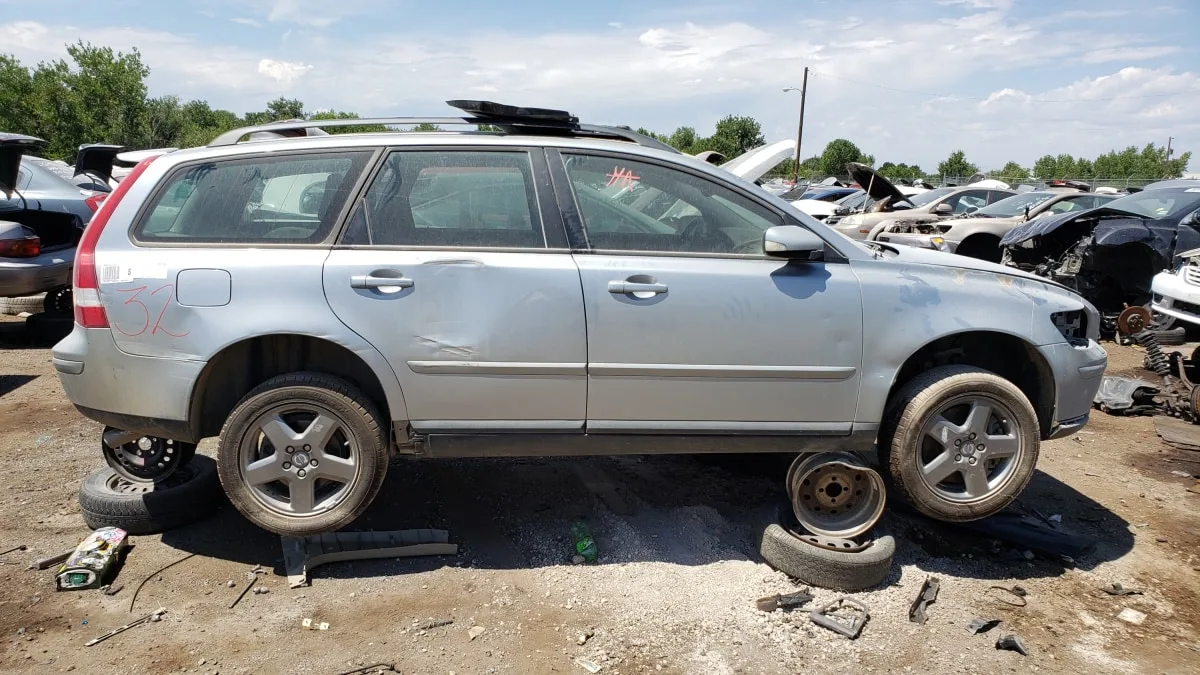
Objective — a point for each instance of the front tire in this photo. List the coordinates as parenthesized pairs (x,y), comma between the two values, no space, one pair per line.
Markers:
(303,454)
(961,443)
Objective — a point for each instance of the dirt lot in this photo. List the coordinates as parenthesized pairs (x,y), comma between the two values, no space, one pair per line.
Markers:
(673,591)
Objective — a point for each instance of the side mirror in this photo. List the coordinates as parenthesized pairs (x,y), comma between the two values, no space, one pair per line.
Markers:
(792,242)
(943,209)
(1193,219)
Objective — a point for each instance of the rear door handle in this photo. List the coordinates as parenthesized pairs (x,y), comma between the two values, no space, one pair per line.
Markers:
(381,283)
(630,287)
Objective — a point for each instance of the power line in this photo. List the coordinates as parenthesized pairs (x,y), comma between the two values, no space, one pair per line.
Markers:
(1186,92)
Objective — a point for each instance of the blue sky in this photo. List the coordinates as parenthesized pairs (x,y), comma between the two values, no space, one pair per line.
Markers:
(999,79)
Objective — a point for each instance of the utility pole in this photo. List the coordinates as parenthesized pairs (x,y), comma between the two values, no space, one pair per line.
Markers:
(800,132)
(1167,173)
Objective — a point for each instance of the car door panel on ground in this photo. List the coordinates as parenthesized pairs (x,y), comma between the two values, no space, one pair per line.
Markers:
(446,269)
(689,328)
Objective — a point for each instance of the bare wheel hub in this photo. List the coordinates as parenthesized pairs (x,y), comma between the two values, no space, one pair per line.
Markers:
(835,494)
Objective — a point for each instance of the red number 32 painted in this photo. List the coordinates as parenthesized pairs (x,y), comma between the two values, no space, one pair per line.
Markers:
(166,302)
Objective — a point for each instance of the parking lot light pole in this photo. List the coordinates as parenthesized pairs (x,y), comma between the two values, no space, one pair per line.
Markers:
(800,132)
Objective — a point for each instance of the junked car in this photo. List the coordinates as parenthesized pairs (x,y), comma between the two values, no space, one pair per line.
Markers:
(977,234)
(42,216)
(1176,293)
(1111,254)
(557,288)
(891,205)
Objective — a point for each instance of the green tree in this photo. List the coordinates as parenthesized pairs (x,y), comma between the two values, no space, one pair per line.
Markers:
(1012,170)
(838,153)
(957,165)
(353,129)
(900,171)
(646,132)
(425,127)
(16,96)
(1045,167)
(735,135)
(682,139)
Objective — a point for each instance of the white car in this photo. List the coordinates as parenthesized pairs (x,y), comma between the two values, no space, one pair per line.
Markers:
(1177,294)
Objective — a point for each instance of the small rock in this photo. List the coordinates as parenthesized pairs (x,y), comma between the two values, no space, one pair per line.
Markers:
(20,631)
(1027,554)
(475,631)
(203,661)
(1130,615)
(578,559)
(583,638)
(1161,540)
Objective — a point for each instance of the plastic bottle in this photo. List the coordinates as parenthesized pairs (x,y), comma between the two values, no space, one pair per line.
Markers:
(585,546)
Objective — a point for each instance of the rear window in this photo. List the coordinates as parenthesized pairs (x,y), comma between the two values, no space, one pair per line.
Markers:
(294,199)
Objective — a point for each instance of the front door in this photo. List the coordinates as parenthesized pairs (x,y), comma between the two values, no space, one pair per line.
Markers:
(454,268)
(690,327)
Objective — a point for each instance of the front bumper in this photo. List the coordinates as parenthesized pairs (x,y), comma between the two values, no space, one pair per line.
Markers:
(28,276)
(919,241)
(1175,297)
(136,393)
(1077,375)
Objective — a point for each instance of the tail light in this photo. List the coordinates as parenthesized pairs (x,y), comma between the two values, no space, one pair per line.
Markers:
(25,247)
(85,282)
(95,201)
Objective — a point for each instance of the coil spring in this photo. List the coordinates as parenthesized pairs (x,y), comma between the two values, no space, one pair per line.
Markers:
(1159,362)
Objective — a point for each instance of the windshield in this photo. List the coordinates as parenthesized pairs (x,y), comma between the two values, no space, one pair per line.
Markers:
(1158,204)
(929,197)
(1013,206)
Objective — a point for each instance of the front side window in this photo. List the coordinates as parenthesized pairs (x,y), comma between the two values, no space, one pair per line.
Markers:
(450,198)
(289,199)
(969,201)
(635,206)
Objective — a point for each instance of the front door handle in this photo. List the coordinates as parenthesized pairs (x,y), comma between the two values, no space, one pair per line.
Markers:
(379,282)
(635,287)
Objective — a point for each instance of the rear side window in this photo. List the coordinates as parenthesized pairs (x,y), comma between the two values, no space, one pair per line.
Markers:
(294,199)
(450,199)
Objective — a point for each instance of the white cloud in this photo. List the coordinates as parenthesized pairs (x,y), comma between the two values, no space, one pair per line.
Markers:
(1127,54)
(283,71)
(246,22)
(615,24)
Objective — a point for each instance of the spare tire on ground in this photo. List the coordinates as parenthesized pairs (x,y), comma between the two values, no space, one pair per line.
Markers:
(855,570)
(29,303)
(190,493)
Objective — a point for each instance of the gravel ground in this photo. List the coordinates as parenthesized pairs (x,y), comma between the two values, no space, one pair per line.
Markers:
(673,591)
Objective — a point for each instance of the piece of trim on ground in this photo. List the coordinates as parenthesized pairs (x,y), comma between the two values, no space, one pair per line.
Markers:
(302,554)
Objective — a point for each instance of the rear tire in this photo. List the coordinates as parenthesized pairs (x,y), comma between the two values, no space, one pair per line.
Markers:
(303,454)
(936,436)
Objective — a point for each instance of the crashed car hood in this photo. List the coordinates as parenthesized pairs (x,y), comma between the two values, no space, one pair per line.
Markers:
(1039,227)
(876,185)
(756,163)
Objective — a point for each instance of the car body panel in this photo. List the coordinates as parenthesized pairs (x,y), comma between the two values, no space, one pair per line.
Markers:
(755,163)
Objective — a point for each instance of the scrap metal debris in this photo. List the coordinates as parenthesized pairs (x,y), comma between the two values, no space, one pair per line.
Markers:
(1126,396)
(311,625)
(1117,589)
(982,625)
(373,668)
(50,561)
(1015,592)
(844,616)
(587,665)
(302,554)
(1031,533)
(927,596)
(1012,643)
(154,574)
(436,623)
(152,616)
(787,601)
(14,549)
(111,589)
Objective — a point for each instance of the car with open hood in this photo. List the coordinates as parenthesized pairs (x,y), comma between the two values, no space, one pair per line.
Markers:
(892,205)
(1111,254)
(42,216)
(322,302)
(978,234)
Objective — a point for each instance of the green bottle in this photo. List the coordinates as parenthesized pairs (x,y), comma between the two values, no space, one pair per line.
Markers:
(584,544)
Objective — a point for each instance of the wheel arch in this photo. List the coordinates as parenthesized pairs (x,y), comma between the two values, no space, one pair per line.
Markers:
(239,367)
(1007,355)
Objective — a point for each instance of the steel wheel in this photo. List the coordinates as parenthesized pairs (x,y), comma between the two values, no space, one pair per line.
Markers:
(148,458)
(835,495)
(970,449)
(299,460)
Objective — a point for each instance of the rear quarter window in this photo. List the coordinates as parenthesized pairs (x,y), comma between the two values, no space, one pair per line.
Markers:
(291,199)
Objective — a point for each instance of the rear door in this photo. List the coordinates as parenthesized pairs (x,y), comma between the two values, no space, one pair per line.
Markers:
(690,328)
(454,265)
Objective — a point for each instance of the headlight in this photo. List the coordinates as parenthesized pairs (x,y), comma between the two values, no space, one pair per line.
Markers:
(939,243)
(852,220)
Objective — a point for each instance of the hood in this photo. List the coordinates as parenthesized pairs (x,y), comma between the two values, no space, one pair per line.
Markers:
(876,185)
(12,147)
(924,256)
(756,163)
(816,207)
(1044,225)
(96,159)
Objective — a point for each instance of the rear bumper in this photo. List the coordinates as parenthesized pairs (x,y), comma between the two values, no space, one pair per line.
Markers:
(1077,375)
(28,276)
(136,393)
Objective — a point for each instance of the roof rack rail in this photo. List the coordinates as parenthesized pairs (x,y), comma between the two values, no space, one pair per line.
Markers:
(508,119)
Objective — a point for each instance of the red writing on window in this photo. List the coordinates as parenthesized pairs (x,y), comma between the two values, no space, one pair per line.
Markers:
(167,293)
(622,177)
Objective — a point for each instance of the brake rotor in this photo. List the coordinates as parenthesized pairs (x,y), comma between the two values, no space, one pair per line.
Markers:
(834,495)
(1133,320)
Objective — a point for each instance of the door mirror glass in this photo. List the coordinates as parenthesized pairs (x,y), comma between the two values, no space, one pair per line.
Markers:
(792,242)
(943,209)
